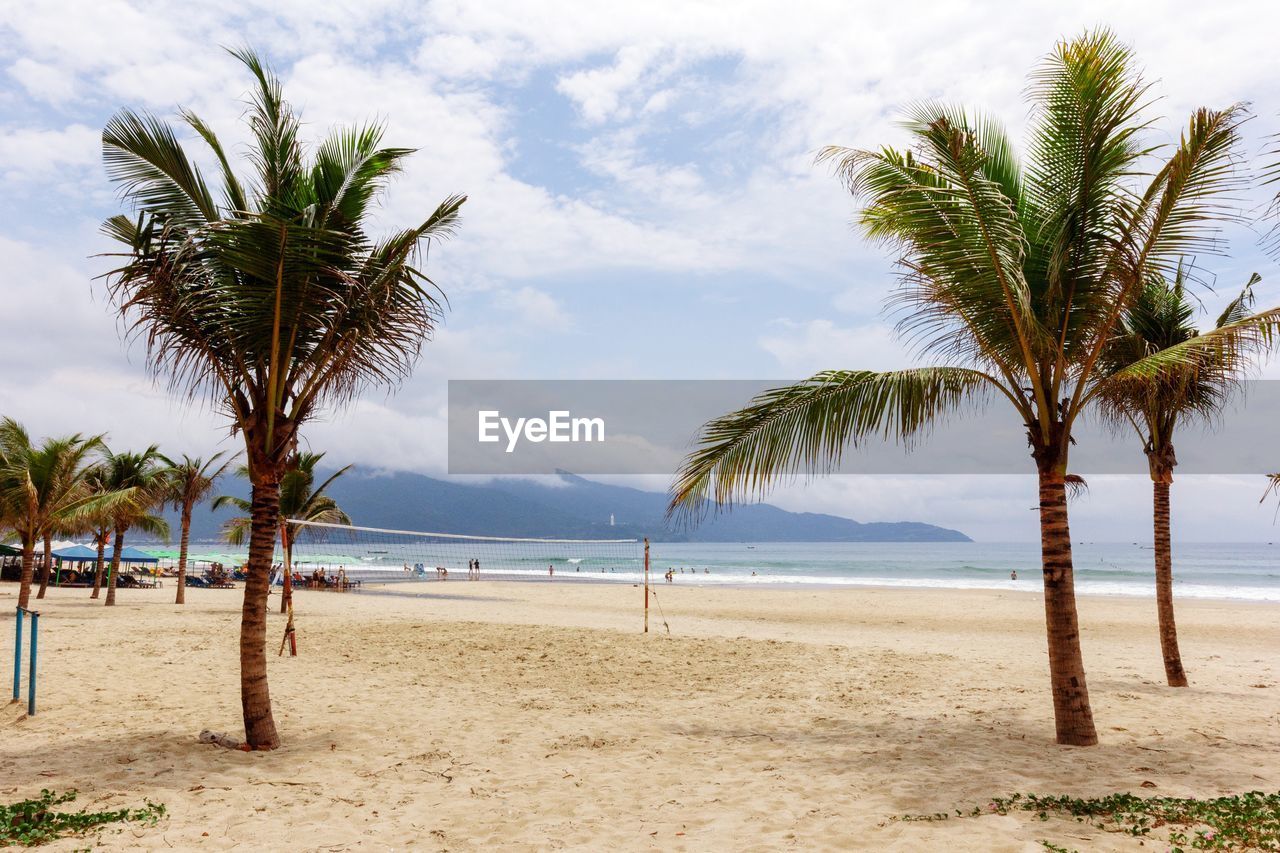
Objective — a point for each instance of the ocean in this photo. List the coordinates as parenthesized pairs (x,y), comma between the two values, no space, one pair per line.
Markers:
(1246,571)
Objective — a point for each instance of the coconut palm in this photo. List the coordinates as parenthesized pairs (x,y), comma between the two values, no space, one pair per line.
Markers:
(271,300)
(1014,276)
(1163,316)
(101,539)
(142,475)
(42,487)
(191,482)
(300,500)
(86,521)
(99,525)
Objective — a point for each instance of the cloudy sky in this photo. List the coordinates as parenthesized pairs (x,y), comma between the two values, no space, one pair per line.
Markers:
(643,201)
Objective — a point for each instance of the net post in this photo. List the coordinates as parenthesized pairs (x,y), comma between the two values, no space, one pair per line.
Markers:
(17,655)
(31,677)
(646,584)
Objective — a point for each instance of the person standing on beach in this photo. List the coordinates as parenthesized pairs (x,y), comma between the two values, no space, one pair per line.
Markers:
(551,571)
(1013,575)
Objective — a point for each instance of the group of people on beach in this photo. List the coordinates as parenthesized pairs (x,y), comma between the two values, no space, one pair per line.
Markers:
(442,573)
(671,573)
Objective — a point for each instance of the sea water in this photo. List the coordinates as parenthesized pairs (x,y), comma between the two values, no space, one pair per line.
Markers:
(1248,571)
(1201,570)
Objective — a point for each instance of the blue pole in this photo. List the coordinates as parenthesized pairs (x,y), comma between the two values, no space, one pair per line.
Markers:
(17,656)
(31,677)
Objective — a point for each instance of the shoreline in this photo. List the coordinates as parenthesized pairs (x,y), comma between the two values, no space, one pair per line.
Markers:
(855,584)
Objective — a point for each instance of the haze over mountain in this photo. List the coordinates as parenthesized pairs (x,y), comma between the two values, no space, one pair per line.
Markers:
(575,508)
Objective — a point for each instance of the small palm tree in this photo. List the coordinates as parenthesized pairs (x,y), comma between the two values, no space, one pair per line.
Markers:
(191,482)
(300,500)
(1015,276)
(1162,318)
(41,488)
(142,476)
(99,525)
(270,298)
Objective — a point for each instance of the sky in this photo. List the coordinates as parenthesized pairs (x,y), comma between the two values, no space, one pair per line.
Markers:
(642,200)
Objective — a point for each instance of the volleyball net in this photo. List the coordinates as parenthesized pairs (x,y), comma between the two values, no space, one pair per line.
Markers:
(377,555)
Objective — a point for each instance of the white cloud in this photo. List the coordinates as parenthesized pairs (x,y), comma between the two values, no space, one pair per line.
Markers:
(598,91)
(31,153)
(537,310)
(805,348)
(691,155)
(43,80)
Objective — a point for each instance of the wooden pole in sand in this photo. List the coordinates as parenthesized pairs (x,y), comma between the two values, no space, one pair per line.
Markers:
(646,584)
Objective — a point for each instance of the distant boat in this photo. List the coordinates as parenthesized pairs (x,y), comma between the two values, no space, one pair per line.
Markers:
(751,547)
(377,552)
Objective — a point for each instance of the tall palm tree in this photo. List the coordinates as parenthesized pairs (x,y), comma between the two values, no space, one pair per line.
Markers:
(271,300)
(1161,317)
(300,500)
(191,482)
(41,487)
(143,475)
(1014,276)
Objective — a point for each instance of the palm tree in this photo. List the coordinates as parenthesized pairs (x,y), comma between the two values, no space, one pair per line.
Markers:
(271,300)
(1161,317)
(300,500)
(191,481)
(142,475)
(1014,276)
(100,527)
(42,487)
(101,539)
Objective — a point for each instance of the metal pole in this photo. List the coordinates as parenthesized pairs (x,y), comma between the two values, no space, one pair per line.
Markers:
(31,676)
(17,655)
(646,585)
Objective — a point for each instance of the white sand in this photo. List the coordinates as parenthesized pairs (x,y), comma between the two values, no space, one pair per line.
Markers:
(535,716)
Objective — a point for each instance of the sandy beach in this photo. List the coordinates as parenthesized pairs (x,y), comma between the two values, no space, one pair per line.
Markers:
(472,716)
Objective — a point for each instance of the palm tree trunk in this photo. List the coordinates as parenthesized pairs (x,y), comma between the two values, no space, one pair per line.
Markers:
(255,698)
(1173,671)
(100,565)
(182,553)
(48,565)
(1072,715)
(113,575)
(28,571)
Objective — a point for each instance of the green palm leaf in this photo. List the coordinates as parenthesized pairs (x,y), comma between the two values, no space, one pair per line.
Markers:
(806,427)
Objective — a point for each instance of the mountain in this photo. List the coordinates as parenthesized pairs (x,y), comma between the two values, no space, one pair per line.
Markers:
(573,508)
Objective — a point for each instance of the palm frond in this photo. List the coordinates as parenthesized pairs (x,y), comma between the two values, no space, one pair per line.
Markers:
(239,503)
(232,192)
(1238,308)
(806,427)
(1087,102)
(143,156)
(235,531)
